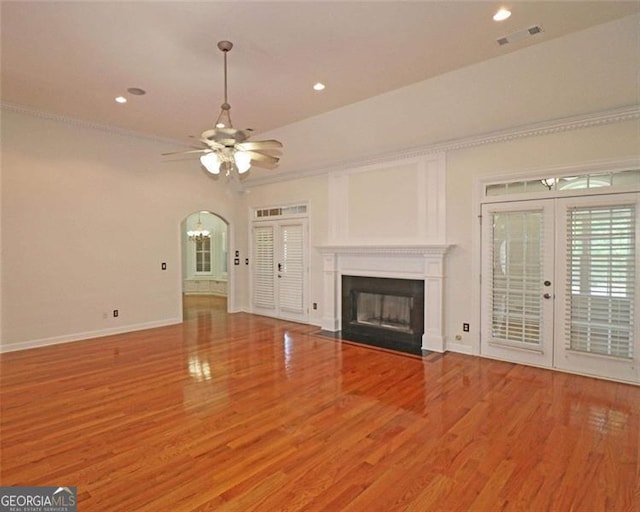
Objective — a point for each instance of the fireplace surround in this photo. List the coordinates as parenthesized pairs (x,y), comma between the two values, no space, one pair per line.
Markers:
(424,262)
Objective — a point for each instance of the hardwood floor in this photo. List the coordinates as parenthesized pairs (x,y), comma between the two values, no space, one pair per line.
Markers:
(240,413)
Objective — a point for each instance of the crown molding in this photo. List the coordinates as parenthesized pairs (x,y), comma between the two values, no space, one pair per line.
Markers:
(387,249)
(20,109)
(611,116)
(558,125)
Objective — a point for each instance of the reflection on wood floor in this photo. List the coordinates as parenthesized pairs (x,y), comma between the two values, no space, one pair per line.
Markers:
(201,306)
(240,412)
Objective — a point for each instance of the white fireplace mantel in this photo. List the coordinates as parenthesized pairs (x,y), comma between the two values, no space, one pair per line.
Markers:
(408,261)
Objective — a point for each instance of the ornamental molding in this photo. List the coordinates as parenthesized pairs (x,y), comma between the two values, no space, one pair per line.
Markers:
(378,249)
(552,126)
(559,125)
(10,107)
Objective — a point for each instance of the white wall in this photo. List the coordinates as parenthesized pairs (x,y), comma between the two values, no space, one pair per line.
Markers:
(88,216)
(464,167)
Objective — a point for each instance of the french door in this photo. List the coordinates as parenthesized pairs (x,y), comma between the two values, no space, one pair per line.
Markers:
(279,269)
(518,281)
(559,284)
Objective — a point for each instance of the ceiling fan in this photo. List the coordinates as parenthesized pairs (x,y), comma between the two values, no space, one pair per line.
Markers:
(225,148)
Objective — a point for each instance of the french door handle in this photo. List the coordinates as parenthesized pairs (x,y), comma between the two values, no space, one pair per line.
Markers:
(547,295)
(279,267)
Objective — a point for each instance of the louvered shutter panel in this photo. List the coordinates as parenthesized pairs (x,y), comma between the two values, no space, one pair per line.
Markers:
(292,274)
(601,270)
(263,269)
(516,252)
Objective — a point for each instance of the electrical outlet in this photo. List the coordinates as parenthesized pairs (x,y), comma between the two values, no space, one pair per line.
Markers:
(315,305)
(115,313)
(164,266)
(465,327)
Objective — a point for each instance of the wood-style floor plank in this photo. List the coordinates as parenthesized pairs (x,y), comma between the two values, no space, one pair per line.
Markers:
(241,412)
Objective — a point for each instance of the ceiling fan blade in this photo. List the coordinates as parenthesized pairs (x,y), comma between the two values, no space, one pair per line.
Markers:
(203,150)
(264,165)
(259,145)
(259,157)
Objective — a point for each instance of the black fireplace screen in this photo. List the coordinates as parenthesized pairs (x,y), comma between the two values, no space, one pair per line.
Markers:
(388,311)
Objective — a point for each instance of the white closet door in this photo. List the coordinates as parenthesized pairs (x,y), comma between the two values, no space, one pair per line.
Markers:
(517,281)
(597,319)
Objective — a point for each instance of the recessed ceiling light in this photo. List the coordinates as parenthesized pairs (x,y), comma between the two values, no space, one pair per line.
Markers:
(136,91)
(318,87)
(502,14)
(121,99)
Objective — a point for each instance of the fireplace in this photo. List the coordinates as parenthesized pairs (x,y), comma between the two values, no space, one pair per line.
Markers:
(385,312)
(424,263)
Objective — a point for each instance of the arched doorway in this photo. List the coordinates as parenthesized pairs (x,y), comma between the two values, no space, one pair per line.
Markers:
(205,261)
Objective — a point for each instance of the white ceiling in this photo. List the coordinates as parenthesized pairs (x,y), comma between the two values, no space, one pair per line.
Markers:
(73,58)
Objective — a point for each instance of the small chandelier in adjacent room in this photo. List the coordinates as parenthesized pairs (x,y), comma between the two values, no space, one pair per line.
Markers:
(198,234)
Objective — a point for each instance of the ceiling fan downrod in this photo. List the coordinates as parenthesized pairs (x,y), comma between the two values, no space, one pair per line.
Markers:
(225,47)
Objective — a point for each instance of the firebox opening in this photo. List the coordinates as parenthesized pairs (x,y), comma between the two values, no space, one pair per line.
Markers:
(383,312)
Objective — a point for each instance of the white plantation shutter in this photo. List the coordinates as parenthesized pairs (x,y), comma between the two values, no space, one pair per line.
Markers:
(292,268)
(263,271)
(601,273)
(516,277)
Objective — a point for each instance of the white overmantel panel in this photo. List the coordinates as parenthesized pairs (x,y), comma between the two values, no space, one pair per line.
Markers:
(413,261)
(389,203)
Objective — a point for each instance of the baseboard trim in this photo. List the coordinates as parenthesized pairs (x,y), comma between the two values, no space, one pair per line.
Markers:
(68,338)
(460,348)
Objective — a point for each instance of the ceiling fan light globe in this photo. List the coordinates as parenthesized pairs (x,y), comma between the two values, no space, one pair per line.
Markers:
(243,161)
(211,162)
